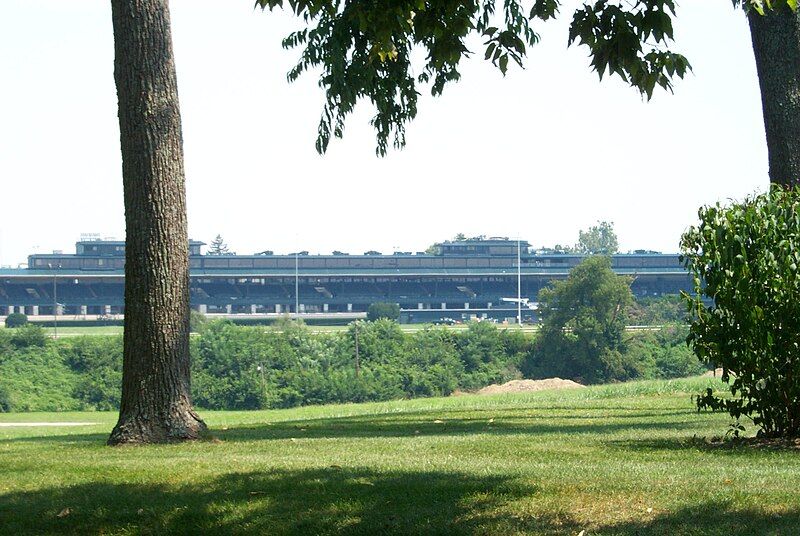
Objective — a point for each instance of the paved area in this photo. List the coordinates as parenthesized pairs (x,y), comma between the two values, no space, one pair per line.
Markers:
(30,424)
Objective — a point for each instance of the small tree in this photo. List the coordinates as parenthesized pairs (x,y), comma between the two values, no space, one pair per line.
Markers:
(746,307)
(218,247)
(598,239)
(583,323)
(386,310)
(15,320)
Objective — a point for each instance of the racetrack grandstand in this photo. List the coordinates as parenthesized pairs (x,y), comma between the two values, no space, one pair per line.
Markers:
(461,279)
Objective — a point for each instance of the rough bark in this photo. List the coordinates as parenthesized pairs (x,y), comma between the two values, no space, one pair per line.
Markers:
(776,44)
(156,400)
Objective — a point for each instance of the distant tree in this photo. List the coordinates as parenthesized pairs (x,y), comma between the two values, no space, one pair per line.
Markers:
(583,324)
(460,237)
(372,252)
(598,239)
(558,248)
(218,247)
(390,311)
(337,252)
(266,252)
(197,321)
(15,320)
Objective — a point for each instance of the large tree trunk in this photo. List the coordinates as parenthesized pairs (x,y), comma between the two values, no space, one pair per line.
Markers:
(776,43)
(156,399)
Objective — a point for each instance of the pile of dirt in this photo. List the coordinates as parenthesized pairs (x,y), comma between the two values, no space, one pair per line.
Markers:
(520,386)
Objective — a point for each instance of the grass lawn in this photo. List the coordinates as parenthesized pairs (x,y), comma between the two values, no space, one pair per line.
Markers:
(626,459)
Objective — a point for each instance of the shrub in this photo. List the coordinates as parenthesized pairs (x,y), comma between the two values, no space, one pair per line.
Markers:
(15,320)
(28,335)
(746,306)
(378,310)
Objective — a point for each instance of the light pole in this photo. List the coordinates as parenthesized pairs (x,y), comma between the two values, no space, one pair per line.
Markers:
(296,287)
(519,284)
(55,301)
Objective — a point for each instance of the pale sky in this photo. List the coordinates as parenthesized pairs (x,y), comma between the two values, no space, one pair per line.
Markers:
(540,154)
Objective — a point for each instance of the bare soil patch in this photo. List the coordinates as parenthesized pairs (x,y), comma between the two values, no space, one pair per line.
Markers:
(522,386)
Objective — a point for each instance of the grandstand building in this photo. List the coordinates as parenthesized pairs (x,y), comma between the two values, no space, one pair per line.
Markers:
(479,277)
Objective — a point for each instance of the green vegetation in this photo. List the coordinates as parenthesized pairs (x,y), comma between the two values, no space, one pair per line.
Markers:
(623,460)
(583,324)
(744,258)
(378,310)
(15,320)
(599,239)
(289,364)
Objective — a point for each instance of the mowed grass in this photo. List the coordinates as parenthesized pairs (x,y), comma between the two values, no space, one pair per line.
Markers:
(625,459)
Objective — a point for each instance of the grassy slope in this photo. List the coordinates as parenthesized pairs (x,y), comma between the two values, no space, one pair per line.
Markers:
(610,460)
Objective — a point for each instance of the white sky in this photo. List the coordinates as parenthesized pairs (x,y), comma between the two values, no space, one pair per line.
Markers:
(540,154)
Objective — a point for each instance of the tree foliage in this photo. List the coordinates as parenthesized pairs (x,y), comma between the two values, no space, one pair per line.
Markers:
(218,247)
(364,49)
(387,310)
(746,306)
(598,239)
(583,324)
(15,320)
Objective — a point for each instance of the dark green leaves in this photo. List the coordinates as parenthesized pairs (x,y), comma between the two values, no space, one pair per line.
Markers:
(364,49)
(746,306)
(618,35)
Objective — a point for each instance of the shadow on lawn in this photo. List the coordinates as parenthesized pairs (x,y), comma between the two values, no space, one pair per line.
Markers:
(342,501)
(427,424)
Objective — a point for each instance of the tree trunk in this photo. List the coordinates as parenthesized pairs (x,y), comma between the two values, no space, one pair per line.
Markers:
(156,398)
(776,44)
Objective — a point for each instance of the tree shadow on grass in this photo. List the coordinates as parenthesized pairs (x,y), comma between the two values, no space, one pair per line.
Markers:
(313,501)
(344,501)
(426,424)
(745,446)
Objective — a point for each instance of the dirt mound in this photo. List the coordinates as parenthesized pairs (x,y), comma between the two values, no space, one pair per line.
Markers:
(524,386)
(714,373)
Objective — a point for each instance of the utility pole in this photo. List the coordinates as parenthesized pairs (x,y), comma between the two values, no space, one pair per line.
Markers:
(296,287)
(358,364)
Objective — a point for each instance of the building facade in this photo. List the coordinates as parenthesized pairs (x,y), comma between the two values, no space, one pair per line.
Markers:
(460,279)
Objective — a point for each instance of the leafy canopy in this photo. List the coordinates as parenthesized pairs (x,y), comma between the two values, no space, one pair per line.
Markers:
(364,49)
(583,324)
(598,239)
(746,306)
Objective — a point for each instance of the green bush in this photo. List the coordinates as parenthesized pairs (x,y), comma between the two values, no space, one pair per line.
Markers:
(745,308)
(15,320)
(378,310)
(28,335)
(5,400)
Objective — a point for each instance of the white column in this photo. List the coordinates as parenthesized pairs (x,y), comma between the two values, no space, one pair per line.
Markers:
(35,310)
(466,305)
(11,309)
(106,309)
(302,308)
(419,306)
(324,307)
(349,307)
(84,310)
(229,308)
(489,305)
(253,309)
(278,308)
(444,306)
(202,308)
